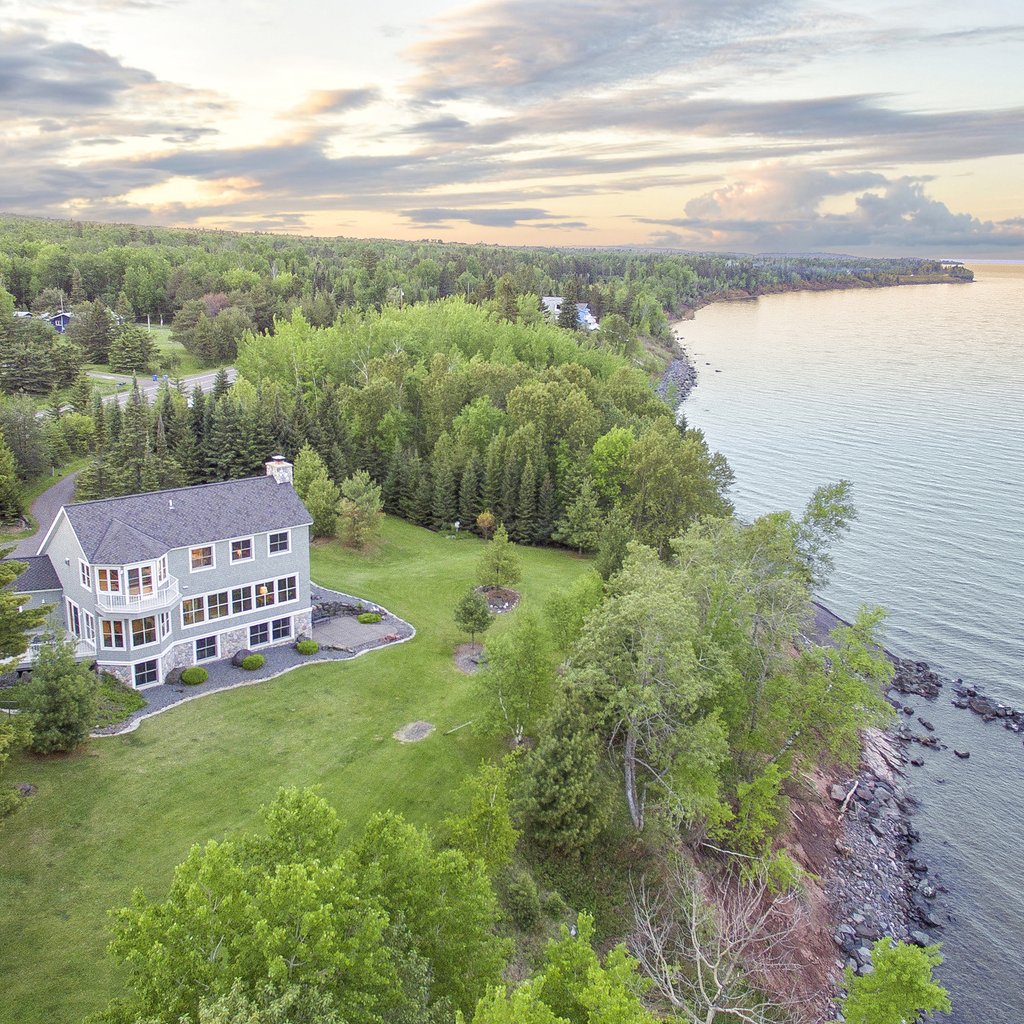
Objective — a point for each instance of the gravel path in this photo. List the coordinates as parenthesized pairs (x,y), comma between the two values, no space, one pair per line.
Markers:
(44,511)
(279,660)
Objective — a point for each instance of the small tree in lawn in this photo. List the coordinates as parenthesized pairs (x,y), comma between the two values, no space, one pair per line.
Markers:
(361,511)
(472,613)
(899,989)
(60,701)
(485,523)
(519,683)
(500,565)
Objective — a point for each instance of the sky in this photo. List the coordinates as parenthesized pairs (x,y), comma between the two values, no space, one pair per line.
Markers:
(875,128)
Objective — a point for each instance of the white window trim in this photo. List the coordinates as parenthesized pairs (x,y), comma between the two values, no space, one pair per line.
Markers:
(89,623)
(163,617)
(213,556)
(145,686)
(110,569)
(198,622)
(152,578)
(124,636)
(85,574)
(73,610)
(232,614)
(252,550)
(215,637)
(291,629)
(130,636)
(287,550)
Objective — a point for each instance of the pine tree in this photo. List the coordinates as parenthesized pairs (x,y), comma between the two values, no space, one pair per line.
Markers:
(60,700)
(77,296)
(525,521)
(494,471)
(321,501)
(131,350)
(422,502)
(360,513)
(132,447)
(11,505)
(564,802)
(391,490)
(123,310)
(546,511)
(499,565)
(221,383)
(166,470)
(581,525)
(469,493)
(81,395)
(443,472)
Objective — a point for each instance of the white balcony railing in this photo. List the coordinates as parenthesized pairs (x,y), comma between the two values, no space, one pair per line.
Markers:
(83,649)
(162,596)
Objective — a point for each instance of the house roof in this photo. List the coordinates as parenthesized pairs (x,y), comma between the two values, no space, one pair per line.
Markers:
(140,527)
(40,575)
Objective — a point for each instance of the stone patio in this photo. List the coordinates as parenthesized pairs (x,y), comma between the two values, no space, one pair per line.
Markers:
(341,638)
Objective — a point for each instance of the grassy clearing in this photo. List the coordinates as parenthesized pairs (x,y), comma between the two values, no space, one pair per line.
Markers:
(124,811)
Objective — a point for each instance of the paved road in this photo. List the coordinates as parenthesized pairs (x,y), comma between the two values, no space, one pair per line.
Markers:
(44,511)
(150,387)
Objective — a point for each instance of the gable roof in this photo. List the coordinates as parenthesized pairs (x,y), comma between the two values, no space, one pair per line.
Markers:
(40,575)
(140,527)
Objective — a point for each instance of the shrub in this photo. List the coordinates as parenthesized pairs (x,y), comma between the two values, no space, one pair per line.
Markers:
(253,662)
(522,901)
(367,617)
(307,647)
(194,676)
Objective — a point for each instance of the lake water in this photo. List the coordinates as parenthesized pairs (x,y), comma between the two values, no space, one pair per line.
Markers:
(916,395)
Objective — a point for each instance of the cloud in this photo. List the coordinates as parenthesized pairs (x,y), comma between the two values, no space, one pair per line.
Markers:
(781,210)
(523,48)
(497,217)
(337,101)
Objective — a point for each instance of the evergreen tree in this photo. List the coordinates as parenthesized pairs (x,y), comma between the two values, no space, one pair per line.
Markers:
(565,804)
(612,543)
(91,329)
(500,564)
(11,504)
(131,350)
(221,383)
(60,700)
(525,522)
(546,511)
(166,470)
(77,296)
(469,493)
(444,474)
(81,395)
(494,472)
(15,620)
(580,527)
(360,513)
(391,490)
(132,447)
(123,310)
(422,500)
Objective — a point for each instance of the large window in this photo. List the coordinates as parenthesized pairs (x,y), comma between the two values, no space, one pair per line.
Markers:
(281,629)
(217,605)
(241,600)
(265,594)
(146,672)
(108,581)
(112,633)
(280,543)
(206,648)
(193,610)
(201,557)
(241,550)
(85,574)
(140,580)
(287,589)
(259,634)
(144,631)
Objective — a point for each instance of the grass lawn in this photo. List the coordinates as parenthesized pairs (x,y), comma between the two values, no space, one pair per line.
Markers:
(124,811)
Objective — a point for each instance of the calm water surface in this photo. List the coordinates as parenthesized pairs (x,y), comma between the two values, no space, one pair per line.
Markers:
(916,394)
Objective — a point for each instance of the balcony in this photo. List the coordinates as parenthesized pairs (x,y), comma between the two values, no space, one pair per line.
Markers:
(162,596)
(83,650)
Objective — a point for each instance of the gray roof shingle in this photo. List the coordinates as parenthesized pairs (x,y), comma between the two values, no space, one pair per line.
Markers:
(140,527)
(40,575)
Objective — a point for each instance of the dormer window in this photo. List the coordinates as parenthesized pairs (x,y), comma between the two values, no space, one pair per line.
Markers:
(241,550)
(201,557)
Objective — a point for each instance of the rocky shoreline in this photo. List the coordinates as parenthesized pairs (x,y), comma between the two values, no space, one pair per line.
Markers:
(680,376)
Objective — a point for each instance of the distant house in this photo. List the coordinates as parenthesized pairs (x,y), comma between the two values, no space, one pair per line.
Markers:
(553,306)
(147,583)
(22,314)
(59,321)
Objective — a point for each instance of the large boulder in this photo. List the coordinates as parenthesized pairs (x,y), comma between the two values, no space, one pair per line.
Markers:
(240,656)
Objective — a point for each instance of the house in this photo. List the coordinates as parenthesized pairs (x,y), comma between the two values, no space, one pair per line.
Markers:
(553,306)
(59,321)
(148,583)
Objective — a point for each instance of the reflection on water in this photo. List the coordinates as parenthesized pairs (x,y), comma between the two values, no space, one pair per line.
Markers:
(915,394)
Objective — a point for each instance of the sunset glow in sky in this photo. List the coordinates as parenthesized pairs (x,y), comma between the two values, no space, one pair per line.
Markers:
(744,125)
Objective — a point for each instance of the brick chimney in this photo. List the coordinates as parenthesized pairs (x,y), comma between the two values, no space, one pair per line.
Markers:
(280,469)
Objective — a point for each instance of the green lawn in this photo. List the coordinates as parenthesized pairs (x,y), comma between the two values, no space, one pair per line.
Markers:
(124,811)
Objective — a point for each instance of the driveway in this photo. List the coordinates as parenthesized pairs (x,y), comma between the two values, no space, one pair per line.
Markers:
(44,511)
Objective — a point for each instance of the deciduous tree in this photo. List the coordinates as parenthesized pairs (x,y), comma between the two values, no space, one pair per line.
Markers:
(900,988)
